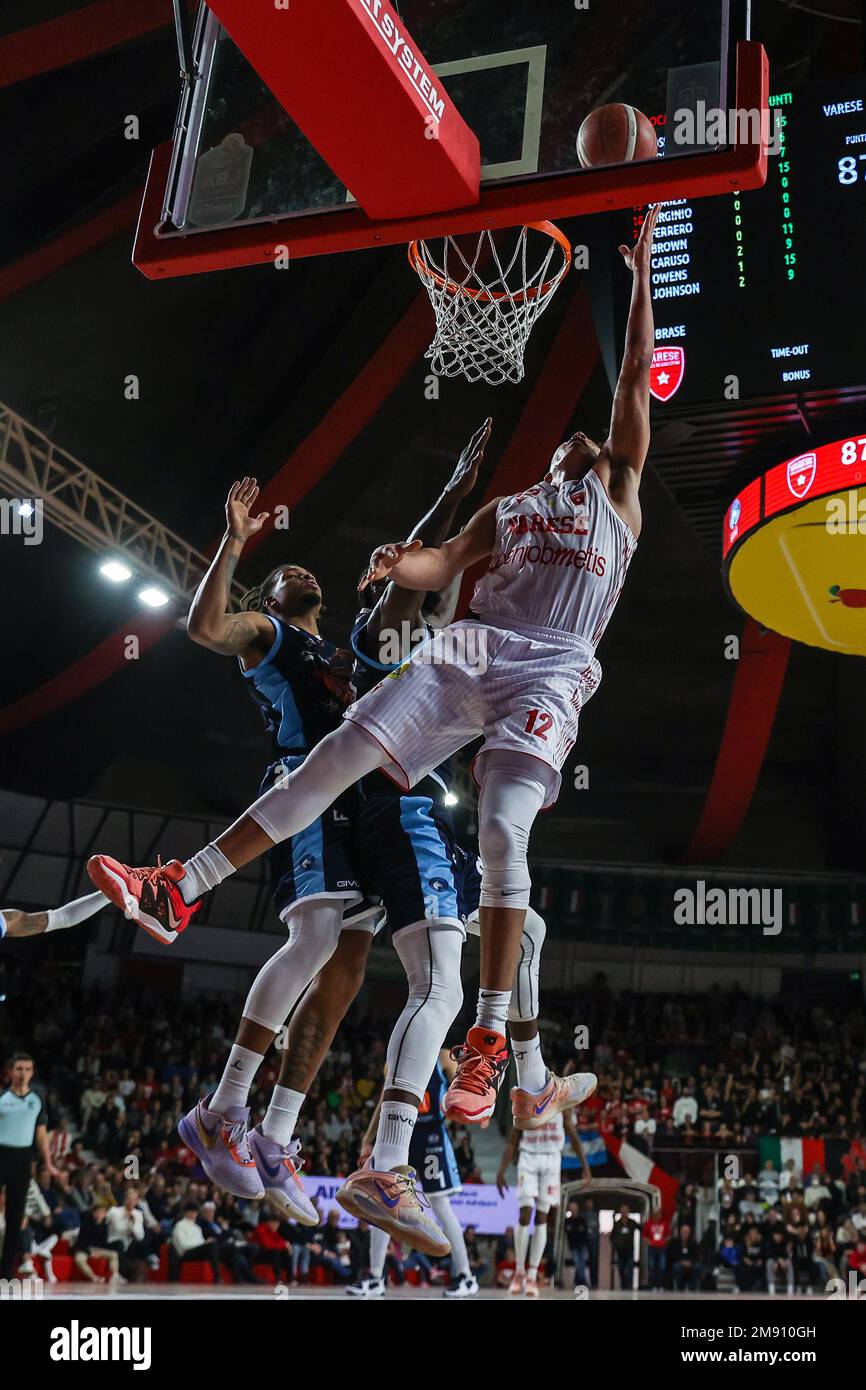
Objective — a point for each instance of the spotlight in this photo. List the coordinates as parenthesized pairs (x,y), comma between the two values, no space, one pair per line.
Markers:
(153,597)
(26,509)
(116,571)
(451,799)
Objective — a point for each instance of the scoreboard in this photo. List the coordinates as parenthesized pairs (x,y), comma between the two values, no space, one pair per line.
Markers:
(763,292)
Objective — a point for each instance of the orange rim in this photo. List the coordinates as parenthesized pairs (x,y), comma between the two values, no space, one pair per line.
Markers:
(550,229)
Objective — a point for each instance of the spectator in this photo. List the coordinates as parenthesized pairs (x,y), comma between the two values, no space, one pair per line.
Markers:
(623,1241)
(780,1264)
(124,1227)
(656,1234)
(577,1236)
(685,1108)
(683,1260)
(477,1265)
(92,1242)
(750,1271)
(188,1244)
(273,1248)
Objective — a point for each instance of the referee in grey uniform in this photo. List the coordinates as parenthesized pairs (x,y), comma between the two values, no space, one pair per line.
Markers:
(22,1124)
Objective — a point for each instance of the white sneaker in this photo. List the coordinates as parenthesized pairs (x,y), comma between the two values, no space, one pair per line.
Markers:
(367,1288)
(465,1287)
(518,1282)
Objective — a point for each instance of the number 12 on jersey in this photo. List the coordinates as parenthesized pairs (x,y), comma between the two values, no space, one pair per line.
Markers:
(538,723)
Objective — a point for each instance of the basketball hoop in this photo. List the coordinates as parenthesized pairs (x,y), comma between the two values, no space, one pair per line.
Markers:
(486,304)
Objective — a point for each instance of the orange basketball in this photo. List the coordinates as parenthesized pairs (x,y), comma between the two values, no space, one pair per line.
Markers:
(615,134)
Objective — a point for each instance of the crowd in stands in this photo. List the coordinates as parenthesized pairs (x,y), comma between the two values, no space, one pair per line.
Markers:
(118,1068)
(718,1069)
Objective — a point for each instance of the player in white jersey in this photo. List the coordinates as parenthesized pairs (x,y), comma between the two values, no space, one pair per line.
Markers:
(516,674)
(539,1183)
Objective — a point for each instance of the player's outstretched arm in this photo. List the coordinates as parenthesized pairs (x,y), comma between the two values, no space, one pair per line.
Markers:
(208,621)
(399,604)
(577,1147)
(415,567)
(14,923)
(628,442)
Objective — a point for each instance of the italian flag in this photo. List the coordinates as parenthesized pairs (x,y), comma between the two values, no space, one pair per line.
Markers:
(806,1153)
(642,1169)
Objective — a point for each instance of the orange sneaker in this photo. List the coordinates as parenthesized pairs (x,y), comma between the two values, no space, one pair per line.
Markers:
(561,1093)
(149,896)
(482,1063)
(531,1289)
(390,1200)
(518,1282)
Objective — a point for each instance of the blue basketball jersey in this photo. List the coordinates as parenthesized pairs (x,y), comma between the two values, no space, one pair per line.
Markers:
(301,686)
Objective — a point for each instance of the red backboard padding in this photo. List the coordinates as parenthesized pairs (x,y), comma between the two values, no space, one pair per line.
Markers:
(355,82)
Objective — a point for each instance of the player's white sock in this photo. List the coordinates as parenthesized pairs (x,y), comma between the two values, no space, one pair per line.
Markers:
(396,1123)
(379,1242)
(70,914)
(282,1115)
(203,872)
(537,1247)
(492,1012)
(531,1071)
(234,1086)
(447,1218)
(521,1246)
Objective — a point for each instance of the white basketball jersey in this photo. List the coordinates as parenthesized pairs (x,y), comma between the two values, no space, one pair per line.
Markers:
(544,1142)
(559,561)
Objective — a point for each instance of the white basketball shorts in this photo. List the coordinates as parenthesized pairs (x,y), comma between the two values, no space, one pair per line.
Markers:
(539,1181)
(521,691)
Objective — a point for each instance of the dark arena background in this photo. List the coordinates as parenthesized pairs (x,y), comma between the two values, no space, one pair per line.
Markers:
(204,280)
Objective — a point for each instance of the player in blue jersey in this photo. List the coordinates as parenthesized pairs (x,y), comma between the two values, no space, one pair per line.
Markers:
(432,1156)
(300,681)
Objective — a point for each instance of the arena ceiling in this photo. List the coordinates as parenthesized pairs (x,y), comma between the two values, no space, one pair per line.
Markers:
(236,370)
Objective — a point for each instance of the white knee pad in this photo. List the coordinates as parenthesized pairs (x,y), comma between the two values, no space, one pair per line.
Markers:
(314,931)
(523,1007)
(431,958)
(510,799)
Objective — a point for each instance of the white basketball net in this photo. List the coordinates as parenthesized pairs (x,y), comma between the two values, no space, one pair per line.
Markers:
(486,305)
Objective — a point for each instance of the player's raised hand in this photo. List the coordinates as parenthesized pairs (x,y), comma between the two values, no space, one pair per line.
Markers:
(385,558)
(239,510)
(465,475)
(638,257)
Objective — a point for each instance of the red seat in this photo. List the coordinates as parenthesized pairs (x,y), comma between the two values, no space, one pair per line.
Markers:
(196,1272)
(265,1273)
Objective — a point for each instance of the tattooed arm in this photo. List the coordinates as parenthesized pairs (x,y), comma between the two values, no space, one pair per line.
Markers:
(247,635)
(24,923)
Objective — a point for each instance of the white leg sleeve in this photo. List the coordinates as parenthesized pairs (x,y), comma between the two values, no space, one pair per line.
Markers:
(331,767)
(379,1242)
(314,931)
(523,1007)
(445,1215)
(431,959)
(510,798)
(537,1246)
